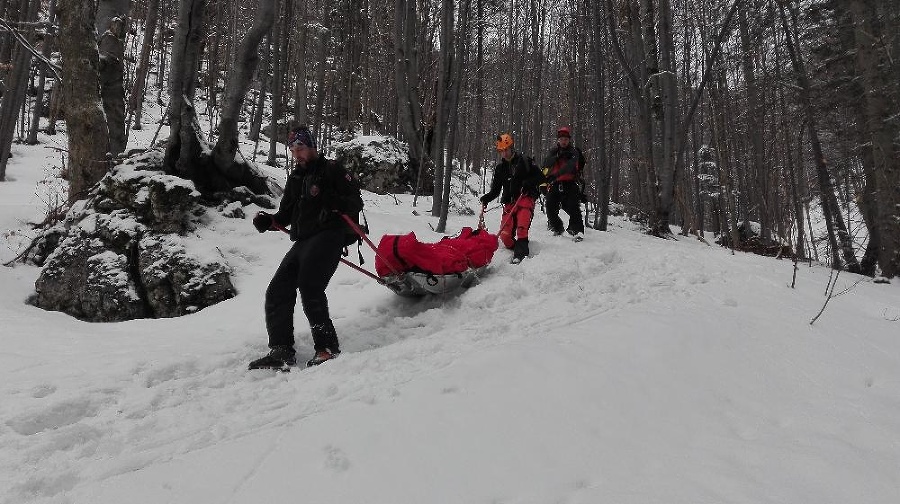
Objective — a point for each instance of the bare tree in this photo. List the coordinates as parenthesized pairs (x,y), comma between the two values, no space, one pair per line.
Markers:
(136,102)
(42,79)
(830,209)
(406,69)
(14,96)
(245,64)
(111,24)
(185,146)
(881,127)
(85,120)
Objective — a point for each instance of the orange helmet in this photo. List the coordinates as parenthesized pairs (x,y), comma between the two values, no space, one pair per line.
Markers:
(504,142)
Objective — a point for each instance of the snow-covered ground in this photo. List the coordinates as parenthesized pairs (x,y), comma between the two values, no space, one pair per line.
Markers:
(624,369)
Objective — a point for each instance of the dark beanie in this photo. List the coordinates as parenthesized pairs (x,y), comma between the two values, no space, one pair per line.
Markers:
(301,136)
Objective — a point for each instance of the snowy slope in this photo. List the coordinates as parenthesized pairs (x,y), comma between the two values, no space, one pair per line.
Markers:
(624,369)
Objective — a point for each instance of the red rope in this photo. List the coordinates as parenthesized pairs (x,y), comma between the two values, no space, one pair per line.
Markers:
(362,235)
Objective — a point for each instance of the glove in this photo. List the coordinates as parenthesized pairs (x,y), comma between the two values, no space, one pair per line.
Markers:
(263,222)
(485,200)
(551,179)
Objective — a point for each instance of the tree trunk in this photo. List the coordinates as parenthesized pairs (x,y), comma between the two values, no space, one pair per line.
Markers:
(136,103)
(755,119)
(442,103)
(259,105)
(213,55)
(80,86)
(42,80)
(830,209)
(245,63)
(455,84)
(277,80)
(321,80)
(301,111)
(665,87)
(476,152)
(186,145)
(14,97)
(406,71)
(112,26)
(602,157)
(638,66)
(7,10)
(882,128)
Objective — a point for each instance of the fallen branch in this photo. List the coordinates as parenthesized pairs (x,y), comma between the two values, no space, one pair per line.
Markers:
(829,292)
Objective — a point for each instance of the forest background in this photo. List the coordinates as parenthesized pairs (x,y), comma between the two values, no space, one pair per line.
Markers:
(724,116)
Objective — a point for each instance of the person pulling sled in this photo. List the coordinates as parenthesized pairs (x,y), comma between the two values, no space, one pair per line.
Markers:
(516,180)
(318,192)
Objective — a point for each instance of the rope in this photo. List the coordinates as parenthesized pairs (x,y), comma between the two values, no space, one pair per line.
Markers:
(358,231)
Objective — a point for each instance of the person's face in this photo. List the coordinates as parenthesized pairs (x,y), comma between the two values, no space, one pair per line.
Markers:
(303,154)
(563,141)
(506,153)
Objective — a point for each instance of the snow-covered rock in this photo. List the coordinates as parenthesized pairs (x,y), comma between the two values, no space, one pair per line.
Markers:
(381,163)
(119,255)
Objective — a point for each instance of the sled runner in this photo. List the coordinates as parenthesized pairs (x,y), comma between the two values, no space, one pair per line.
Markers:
(415,284)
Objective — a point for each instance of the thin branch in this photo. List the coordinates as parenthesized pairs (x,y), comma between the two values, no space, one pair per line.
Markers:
(24,43)
(620,53)
(829,290)
(717,47)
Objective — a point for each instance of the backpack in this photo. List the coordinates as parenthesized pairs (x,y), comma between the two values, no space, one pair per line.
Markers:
(350,234)
(353,202)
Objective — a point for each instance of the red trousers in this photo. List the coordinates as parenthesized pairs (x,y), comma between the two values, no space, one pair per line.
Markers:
(516,220)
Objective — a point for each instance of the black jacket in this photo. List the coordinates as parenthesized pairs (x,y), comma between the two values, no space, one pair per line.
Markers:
(313,196)
(514,177)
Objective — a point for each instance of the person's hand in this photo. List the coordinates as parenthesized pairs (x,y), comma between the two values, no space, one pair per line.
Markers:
(263,222)
(485,200)
(551,179)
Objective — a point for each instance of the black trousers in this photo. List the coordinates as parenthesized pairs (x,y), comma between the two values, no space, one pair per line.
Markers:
(306,268)
(566,195)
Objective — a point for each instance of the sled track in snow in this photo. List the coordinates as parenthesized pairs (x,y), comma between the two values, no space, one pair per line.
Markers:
(159,412)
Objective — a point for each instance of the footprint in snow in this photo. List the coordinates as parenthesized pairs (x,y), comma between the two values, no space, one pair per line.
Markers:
(336,459)
(43,390)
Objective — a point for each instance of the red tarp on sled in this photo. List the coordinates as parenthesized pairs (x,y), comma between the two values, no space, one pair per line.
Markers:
(401,253)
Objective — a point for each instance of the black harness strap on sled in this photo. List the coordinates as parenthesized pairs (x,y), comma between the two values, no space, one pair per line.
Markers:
(396,250)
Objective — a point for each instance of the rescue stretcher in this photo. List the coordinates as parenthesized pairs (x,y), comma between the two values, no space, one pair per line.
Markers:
(412,268)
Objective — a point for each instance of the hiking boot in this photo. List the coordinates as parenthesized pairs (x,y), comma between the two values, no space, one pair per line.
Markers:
(556,232)
(322,356)
(577,237)
(279,357)
(520,250)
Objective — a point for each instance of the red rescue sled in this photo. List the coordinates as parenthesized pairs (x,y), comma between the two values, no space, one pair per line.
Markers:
(410,267)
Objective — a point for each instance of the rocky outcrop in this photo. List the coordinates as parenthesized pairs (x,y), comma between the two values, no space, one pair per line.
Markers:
(381,163)
(120,254)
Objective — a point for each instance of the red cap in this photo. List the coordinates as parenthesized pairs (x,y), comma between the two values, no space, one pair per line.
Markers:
(563,132)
